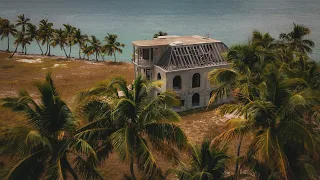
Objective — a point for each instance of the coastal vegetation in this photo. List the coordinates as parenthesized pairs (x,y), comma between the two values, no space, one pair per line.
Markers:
(273,83)
(24,33)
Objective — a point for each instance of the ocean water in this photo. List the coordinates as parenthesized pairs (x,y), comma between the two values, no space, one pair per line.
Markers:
(231,21)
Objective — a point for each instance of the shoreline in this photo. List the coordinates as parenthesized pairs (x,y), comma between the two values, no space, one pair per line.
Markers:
(63,58)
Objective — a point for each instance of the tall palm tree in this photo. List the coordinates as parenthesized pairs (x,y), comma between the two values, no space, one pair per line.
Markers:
(140,121)
(69,33)
(112,45)
(7,29)
(45,34)
(59,38)
(160,33)
(42,149)
(23,22)
(33,33)
(207,162)
(80,39)
(94,47)
(296,39)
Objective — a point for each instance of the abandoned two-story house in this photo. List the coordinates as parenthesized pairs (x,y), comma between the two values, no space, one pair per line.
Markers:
(182,63)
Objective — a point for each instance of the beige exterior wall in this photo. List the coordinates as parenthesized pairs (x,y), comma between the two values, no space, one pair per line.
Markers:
(186,92)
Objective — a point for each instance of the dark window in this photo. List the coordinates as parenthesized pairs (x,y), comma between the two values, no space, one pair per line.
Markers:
(148,74)
(145,54)
(177,82)
(182,103)
(196,80)
(196,99)
(159,76)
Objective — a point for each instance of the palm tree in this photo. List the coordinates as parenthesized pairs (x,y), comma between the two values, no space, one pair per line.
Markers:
(42,149)
(112,45)
(32,33)
(95,47)
(86,51)
(160,33)
(80,39)
(7,29)
(296,41)
(23,22)
(207,162)
(59,38)
(273,107)
(139,122)
(45,34)
(69,33)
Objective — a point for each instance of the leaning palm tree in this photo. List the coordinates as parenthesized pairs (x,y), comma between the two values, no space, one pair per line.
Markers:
(80,39)
(59,38)
(45,34)
(207,162)
(7,29)
(296,39)
(139,122)
(42,148)
(23,22)
(94,47)
(33,33)
(112,45)
(69,33)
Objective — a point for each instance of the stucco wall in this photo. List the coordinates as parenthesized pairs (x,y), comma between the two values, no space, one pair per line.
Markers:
(187,91)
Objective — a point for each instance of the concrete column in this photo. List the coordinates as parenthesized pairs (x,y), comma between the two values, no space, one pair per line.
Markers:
(134,53)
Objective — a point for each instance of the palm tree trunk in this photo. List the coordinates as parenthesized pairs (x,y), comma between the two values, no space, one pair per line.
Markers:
(39,47)
(47,48)
(97,56)
(115,59)
(64,51)
(70,51)
(14,51)
(22,49)
(79,51)
(25,49)
(49,53)
(236,171)
(69,168)
(8,43)
(132,170)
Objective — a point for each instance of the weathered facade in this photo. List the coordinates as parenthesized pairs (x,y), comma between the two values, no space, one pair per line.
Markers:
(182,63)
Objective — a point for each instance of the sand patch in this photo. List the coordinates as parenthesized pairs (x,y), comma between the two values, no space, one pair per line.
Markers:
(59,65)
(38,60)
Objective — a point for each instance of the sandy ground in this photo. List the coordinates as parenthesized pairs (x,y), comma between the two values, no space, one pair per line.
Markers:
(72,76)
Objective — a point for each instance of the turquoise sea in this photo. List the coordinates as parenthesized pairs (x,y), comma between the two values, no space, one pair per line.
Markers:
(231,21)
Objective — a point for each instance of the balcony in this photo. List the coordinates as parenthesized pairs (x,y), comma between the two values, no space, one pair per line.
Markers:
(142,62)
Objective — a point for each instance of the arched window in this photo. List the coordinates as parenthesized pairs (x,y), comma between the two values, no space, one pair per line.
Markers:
(196,99)
(196,80)
(159,76)
(177,82)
